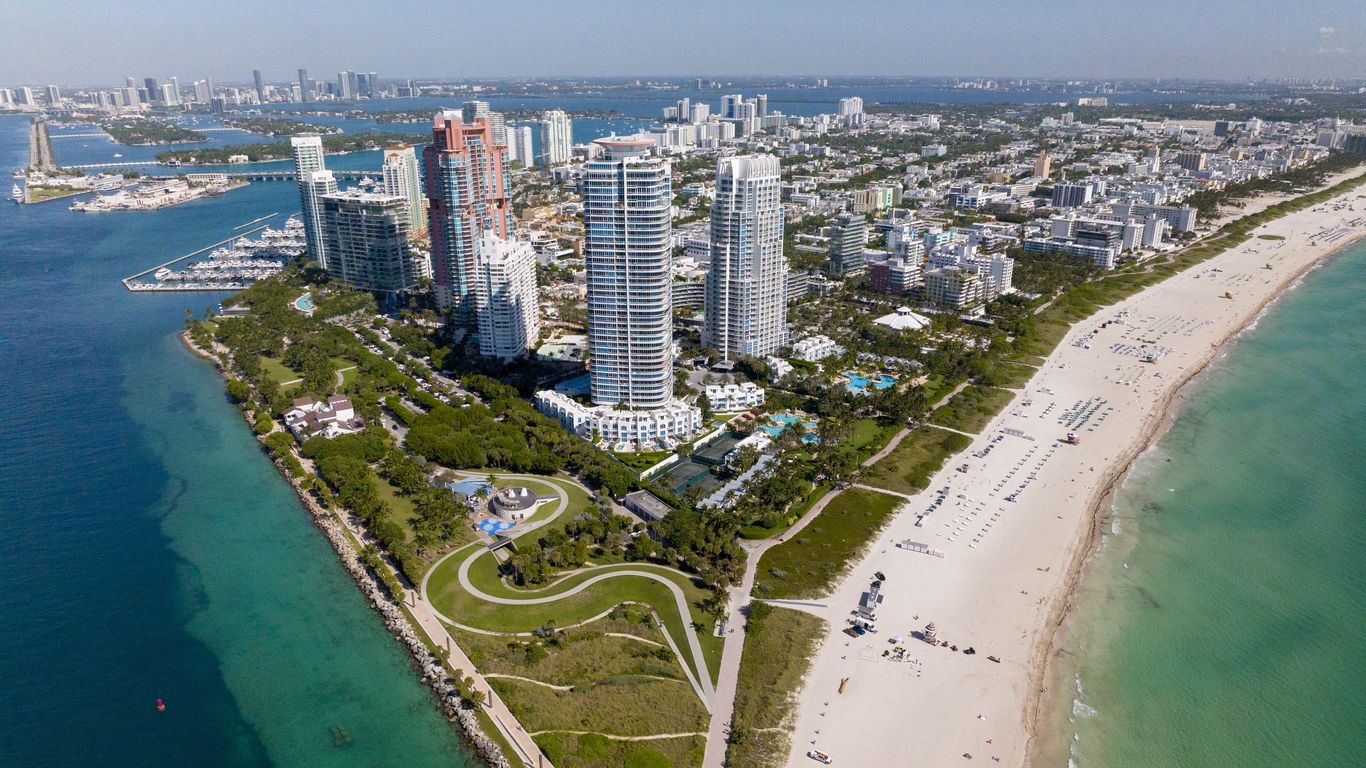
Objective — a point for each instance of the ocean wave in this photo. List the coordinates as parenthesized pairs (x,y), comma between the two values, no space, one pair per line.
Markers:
(1082,711)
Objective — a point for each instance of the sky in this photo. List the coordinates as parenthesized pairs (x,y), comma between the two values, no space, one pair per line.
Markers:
(66,42)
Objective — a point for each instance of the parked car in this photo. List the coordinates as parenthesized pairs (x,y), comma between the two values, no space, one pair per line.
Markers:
(820,756)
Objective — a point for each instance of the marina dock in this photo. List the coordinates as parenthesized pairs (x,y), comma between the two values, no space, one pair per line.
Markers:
(233,264)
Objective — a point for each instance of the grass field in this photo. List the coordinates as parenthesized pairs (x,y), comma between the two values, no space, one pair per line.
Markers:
(909,467)
(616,706)
(621,687)
(807,564)
(277,370)
(568,750)
(779,643)
(447,595)
(642,461)
(813,494)
(971,410)
(1013,375)
(43,194)
(868,436)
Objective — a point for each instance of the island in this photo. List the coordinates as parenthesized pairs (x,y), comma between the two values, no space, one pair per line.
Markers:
(146,132)
(276,126)
(280,150)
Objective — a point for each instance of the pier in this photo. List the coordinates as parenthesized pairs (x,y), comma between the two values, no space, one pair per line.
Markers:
(40,146)
(287,175)
(130,284)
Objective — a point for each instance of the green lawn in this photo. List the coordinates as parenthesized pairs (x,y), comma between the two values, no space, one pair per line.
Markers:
(915,459)
(567,750)
(1012,375)
(622,706)
(779,643)
(278,370)
(642,461)
(806,565)
(794,513)
(446,593)
(42,194)
(971,409)
(868,436)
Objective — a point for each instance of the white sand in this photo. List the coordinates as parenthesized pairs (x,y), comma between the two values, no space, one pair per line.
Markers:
(1009,568)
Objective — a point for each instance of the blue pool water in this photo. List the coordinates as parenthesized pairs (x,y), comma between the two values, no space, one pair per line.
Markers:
(786,419)
(304,303)
(858,383)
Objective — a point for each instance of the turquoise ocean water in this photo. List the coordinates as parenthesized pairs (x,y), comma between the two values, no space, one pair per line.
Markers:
(149,548)
(1224,621)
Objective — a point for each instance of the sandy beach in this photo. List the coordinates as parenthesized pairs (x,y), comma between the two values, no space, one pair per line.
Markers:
(1016,528)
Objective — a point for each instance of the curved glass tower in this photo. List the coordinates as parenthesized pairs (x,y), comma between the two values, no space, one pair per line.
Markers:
(626,215)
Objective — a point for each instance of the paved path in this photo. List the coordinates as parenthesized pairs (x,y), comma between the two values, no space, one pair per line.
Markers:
(628,738)
(741,596)
(527,752)
(875,489)
(700,680)
(529,680)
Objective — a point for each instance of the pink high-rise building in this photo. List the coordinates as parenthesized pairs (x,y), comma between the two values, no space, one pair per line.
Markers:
(468,195)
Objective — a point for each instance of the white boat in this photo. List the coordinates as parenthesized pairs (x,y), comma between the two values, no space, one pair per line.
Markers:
(17,194)
(118,154)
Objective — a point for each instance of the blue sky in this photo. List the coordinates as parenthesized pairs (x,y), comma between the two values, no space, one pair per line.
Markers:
(68,42)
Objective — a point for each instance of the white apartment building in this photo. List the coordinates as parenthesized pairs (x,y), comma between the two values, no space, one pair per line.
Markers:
(557,138)
(627,197)
(623,430)
(725,398)
(519,146)
(402,179)
(308,159)
(954,287)
(815,348)
(506,297)
(746,304)
(627,249)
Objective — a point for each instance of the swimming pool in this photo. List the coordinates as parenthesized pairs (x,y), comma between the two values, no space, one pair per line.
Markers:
(304,303)
(858,383)
(786,419)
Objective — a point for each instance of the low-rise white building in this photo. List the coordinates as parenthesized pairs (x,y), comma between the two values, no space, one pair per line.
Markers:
(640,429)
(815,348)
(735,397)
(310,417)
(778,366)
(903,319)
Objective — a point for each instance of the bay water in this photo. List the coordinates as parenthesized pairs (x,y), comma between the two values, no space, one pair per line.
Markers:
(148,549)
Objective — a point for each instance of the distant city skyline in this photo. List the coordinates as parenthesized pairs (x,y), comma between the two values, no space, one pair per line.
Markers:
(76,44)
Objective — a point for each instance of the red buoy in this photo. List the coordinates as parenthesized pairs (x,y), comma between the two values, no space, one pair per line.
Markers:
(161,705)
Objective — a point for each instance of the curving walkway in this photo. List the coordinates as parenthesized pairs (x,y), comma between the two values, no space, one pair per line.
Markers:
(699,676)
(626,738)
